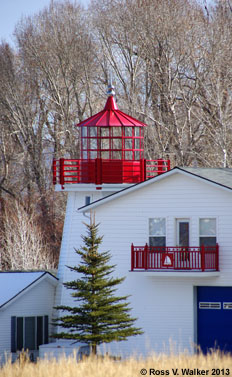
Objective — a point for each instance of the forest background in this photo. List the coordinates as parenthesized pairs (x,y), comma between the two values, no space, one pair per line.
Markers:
(171,66)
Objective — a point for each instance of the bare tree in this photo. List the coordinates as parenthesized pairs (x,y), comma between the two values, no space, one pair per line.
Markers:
(22,243)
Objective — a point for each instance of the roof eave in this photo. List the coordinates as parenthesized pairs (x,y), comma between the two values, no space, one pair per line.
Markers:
(46,275)
(148,182)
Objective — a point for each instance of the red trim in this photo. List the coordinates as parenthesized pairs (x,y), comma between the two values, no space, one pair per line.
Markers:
(111,104)
(98,171)
(183,258)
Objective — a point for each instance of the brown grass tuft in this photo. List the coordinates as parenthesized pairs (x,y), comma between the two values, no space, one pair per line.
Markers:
(155,365)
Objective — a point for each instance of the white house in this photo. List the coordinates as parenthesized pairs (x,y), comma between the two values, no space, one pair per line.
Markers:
(169,232)
(170,235)
(26,305)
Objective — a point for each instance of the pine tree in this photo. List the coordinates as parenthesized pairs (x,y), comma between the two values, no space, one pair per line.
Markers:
(99,316)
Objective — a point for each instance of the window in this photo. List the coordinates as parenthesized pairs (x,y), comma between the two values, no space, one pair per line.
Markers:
(208,232)
(28,332)
(209,305)
(87,200)
(157,232)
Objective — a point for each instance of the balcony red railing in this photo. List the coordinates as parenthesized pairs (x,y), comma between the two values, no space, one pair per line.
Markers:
(203,258)
(98,171)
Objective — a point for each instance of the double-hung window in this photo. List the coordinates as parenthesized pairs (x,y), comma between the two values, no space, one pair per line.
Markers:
(28,332)
(208,232)
(157,231)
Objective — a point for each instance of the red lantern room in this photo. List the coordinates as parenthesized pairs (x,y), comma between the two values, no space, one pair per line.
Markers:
(112,135)
(112,151)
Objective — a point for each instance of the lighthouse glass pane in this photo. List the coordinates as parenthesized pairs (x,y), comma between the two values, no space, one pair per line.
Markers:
(93,131)
(93,155)
(117,144)
(104,131)
(84,143)
(128,143)
(93,143)
(137,131)
(84,131)
(137,143)
(117,131)
(128,131)
(137,155)
(129,155)
(105,155)
(117,155)
(105,143)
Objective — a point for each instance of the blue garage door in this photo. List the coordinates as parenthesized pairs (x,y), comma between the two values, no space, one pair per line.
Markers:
(214,324)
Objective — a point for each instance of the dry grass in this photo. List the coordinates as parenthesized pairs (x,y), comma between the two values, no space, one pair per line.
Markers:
(155,365)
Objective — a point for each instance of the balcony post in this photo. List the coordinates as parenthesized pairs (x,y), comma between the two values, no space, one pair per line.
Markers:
(160,166)
(203,258)
(98,171)
(132,257)
(146,257)
(62,171)
(142,170)
(217,257)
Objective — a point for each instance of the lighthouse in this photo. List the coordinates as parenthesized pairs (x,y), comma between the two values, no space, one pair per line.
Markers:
(111,159)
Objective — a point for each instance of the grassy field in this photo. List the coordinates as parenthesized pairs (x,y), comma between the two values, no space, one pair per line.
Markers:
(156,365)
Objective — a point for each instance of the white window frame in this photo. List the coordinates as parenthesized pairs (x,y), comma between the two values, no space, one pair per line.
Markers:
(205,235)
(158,236)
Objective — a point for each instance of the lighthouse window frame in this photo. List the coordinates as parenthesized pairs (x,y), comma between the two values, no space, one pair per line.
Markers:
(157,231)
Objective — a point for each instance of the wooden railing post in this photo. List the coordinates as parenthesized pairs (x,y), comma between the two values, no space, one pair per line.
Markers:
(132,257)
(146,257)
(217,257)
(203,258)
(62,171)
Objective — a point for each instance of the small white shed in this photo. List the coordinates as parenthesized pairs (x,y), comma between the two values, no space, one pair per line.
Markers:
(26,305)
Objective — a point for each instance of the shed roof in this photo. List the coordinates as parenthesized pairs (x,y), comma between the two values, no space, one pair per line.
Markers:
(13,283)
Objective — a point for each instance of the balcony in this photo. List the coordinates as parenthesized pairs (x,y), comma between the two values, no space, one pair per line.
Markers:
(174,258)
(98,171)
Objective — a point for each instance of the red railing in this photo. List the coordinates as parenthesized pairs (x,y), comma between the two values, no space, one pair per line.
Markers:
(202,258)
(98,171)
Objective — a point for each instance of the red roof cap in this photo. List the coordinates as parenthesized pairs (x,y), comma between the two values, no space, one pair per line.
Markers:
(111,116)
(111,104)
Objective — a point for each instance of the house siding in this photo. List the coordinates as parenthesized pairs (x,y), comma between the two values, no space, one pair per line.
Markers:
(37,301)
(164,306)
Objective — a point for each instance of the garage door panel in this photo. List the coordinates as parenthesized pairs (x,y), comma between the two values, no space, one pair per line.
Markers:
(214,323)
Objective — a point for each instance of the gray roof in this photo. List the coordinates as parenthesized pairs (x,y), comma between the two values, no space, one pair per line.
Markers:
(12,283)
(222,176)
